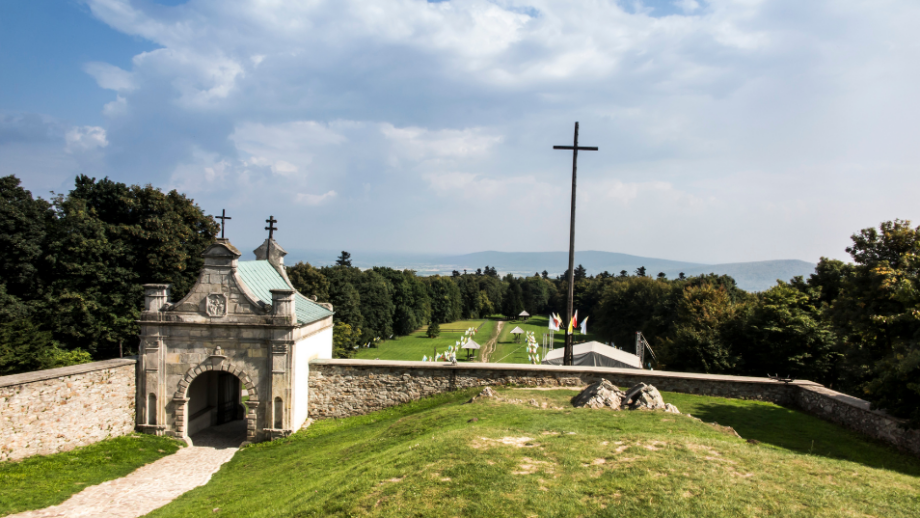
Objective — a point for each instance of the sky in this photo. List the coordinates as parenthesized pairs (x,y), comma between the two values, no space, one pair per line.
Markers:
(729,130)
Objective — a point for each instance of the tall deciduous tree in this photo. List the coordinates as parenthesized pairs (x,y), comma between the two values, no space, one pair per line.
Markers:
(24,226)
(876,312)
(109,239)
(309,281)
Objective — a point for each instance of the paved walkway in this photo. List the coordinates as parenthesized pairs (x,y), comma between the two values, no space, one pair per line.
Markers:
(156,484)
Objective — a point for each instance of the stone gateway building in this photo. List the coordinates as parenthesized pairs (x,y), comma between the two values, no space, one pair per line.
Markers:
(237,346)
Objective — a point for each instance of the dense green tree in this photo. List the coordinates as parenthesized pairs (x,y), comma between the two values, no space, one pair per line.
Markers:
(377,307)
(640,271)
(411,308)
(434,330)
(623,274)
(344,340)
(24,347)
(345,298)
(782,332)
(535,294)
(580,273)
(697,343)
(662,276)
(513,302)
(633,304)
(24,225)
(469,291)
(108,240)
(444,295)
(344,259)
(876,314)
(309,281)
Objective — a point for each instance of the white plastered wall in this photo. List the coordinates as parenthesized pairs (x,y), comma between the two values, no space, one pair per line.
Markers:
(315,347)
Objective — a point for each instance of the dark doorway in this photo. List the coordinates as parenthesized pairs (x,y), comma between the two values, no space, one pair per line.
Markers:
(228,398)
(215,398)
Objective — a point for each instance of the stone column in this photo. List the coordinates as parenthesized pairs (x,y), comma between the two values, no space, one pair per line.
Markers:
(181,405)
(151,383)
(284,319)
(252,418)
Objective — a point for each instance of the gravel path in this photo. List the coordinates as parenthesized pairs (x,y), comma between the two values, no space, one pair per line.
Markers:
(489,347)
(156,484)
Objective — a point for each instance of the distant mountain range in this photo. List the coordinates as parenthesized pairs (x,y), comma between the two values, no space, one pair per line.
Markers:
(752,276)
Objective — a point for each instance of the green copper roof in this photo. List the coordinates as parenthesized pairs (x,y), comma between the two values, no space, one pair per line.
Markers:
(260,277)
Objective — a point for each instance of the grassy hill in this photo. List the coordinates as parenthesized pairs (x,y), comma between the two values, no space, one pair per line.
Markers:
(440,457)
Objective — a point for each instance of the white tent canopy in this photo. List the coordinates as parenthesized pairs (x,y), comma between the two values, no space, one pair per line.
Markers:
(595,354)
(524,314)
(470,344)
(517,331)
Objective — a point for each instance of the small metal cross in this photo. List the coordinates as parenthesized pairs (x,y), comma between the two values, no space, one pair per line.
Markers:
(271,226)
(223,216)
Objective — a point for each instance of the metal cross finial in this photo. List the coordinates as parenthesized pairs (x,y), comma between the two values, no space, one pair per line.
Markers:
(223,216)
(271,226)
(567,358)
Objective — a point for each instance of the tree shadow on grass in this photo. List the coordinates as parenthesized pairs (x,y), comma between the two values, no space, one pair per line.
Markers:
(797,431)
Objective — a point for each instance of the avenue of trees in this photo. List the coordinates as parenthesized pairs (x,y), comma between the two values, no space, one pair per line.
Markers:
(73,267)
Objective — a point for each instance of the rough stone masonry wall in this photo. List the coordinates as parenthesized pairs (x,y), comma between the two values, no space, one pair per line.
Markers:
(342,388)
(56,410)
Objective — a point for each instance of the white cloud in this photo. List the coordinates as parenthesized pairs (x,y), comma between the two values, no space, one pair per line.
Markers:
(725,125)
(110,77)
(314,199)
(85,138)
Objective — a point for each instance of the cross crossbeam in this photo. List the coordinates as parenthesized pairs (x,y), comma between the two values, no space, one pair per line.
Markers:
(271,228)
(567,355)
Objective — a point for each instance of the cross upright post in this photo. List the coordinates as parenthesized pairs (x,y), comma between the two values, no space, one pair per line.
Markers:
(223,217)
(271,232)
(567,354)
(271,226)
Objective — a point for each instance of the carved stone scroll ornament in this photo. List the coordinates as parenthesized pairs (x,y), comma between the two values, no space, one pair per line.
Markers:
(216,305)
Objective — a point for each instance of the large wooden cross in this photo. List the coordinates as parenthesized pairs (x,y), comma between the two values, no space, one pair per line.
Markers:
(271,226)
(567,358)
(223,217)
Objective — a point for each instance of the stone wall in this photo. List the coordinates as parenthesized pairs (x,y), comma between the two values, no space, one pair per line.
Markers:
(342,388)
(855,414)
(56,410)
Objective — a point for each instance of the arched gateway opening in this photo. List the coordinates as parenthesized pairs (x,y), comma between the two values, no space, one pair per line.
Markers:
(216,409)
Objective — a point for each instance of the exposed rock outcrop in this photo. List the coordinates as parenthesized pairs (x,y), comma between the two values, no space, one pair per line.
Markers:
(602,394)
(644,397)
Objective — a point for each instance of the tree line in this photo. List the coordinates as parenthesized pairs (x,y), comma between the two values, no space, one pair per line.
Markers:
(73,267)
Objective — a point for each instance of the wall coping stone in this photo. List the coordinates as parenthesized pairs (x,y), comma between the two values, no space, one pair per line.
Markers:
(60,372)
(564,369)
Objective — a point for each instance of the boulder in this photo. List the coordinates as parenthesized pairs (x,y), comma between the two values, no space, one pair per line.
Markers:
(486,393)
(644,397)
(668,407)
(602,394)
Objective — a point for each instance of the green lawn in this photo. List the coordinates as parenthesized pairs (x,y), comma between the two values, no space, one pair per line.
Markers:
(440,457)
(42,481)
(412,347)
(509,351)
